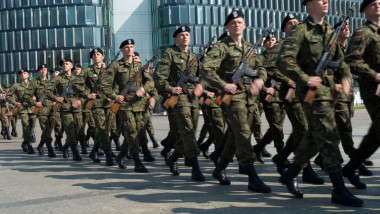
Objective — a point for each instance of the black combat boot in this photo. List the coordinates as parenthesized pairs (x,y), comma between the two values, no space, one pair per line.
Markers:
(200,140)
(74,149)
(88,140)
(30,148)
(147,154)
(50,149)
(289,179)
(260,146)
(165,141)
(309,176)
(24,146)
(40,148)
(319,161)
(196,173)
(59,143)
(65,151)
(165,151)
(242,170)
(204,147)
(154,141)
(83,148)
(14,133)
(215,155)
(367,162)
(265,153)
(220,172)
(187,161)
(109,159)
(100,152)
(139,167)
(120,160)
(340,194)
(171,162)
(349,172)
(254,182)
(117,144)
(363,170)
(94,154)
(33,137)
(7,133)
(3,131)
(279,160)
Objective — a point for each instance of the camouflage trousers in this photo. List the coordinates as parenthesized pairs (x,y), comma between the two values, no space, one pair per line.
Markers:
(101,134)
(275,115)
(114,124)
(186,119)
(14,119)
(88,119)
(371,141)
(132,123)
(28,122)
(47,123)
(143,138)
(72,123)
(148,124)
(343,121)
(58,130)
(173,135)
(322,136)
(5,116)
(206,128)
(239,137)
(217,124)
(255,120)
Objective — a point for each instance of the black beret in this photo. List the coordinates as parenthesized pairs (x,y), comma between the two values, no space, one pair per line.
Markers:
(127,42)
(23,70)
(234,15)
(364,4)
(304,2)
(136,53)
(183,28)
(77,65)
(65,60)
(270,35)
(96,50)
(288,18)
(54,70)
(224,35)
(41,67)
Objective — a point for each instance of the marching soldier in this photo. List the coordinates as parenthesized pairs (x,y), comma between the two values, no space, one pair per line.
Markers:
(218,69)
(5,113)
(58,131)
(363,56)
(298,59)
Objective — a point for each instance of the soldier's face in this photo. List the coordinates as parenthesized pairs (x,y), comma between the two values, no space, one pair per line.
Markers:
(289,25)
(55,73)
(97,57)
(345,33)
(77,71)
(182,39)
(67,66)
(236,27)
(128,50)
(372,10)
(42,72)
(268,44)
(319,7)
(24,76)
(6,90)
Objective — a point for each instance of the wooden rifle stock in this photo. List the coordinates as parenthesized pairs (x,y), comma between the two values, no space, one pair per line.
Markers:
(290,95)
(166,103)
(57,106)
(227,99)
(172,101)
(310,95)
(378,90)
(208,101)
(36,110)
(201,100)
(89,104)
(268,98)
(15,110)
(115,107)
(218,100)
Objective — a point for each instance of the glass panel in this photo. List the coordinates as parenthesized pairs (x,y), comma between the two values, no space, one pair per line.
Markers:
(90,15)
(208,15)
(49,61)
(174,15)
(200,15)
(76,56)
(165,13)
(88,37)
(18,40)
(60,38)
(71,15)
(184,12)
(198,35)
(45,20)
(34,39)
(192,15)
(20,19)
(66,54)
(26,40)
(28,18)
(52,38)
(41,57)
(3,42)
(53,16)
(32,59)
(62,16)
(24,60)
(69,37)
(10,41)
(42,2)
(78,37)
(80,15)
(216,16)
(58,57)
(16,61)
(4,19)
(9,3)
(16,3)
(98,37)
(12,20)
(9,63)
(36,18)
(43,39)
(33,2)
(99,16)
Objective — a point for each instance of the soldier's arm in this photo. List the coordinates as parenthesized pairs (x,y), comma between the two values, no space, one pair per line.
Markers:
(32,91)
(51,91)
(354,55)
(79,85)
(211,66)
(287,57)
(148,82)
(161,75)
(10,95)
(108,82)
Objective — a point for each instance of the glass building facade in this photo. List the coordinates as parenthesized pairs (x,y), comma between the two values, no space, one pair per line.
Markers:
(34,32)
(206,17)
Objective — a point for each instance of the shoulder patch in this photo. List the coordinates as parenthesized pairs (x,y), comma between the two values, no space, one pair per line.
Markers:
(358,32)
(215,46)
(292,31)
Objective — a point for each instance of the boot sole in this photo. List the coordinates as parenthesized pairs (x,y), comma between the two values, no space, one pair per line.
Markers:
(335,201)
(259,190)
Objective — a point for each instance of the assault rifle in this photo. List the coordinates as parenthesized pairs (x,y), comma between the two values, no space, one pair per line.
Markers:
(17,108)
(324,61)
(185,78)
(275,86)
(67,91)
(37,109)
(242,69)
(131,81)
(95,89)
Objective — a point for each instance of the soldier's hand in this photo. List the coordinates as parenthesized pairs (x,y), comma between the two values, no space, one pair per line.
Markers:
(339,88)
(18,104)
(230,88)
(91,96)
(256,86)
(60,99)
(210,94)
(147,95)
(314,82)
(103,65)
(34,98)
(137,58)
(292,84)
(198,90)
(119,98)
(152,102)
(378,77)
(177,90)
(270,91)
(38,104)
(76,103)
(346,86)
(140,92)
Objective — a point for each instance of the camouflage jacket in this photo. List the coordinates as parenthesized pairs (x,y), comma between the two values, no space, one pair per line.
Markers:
(363,56)
(39,87)
(17,93)
(300,54)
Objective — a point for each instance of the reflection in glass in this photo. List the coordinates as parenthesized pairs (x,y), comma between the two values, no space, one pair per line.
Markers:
(62,16)
(43,39)
(60,38)
(26,38)
(53,16)
(71,15)
(90,15)
(81,15)
(88,37)
(98,37)
(69,37)
(44,19)
(78,37)
(34,39)
(99,16)
(51,38)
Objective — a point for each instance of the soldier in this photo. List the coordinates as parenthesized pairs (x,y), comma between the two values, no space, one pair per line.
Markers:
(131,110)
(70,108)
(169,70)
(218,69)
(58,131)
(26,108)
(46,114)
(83,84)
(363,56)
(5,113)
(297,59)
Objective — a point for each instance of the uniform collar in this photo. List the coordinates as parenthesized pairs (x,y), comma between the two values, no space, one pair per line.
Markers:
(231,42)
(372,25)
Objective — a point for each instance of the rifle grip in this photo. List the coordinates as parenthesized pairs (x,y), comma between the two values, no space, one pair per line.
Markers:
(89,104)
(201,100)
(57,106)
(218,100)
(290,95)
(268,98)
(240,85)
(208,101)
(15,110)
(227,99)
(378,90)
(310,95)
(115,107)
(166,103)
(36,110)
(173,101)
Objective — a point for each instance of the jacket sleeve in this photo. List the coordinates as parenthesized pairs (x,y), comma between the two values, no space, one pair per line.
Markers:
(108,82)
(51,91)
(79,84)
(11,95)
(211,66)
(162,73)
